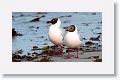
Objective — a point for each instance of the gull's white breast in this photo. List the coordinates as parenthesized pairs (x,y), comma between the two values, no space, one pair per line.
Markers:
(55,35)
(72,40)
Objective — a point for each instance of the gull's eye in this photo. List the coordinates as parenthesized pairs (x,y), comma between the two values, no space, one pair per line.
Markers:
(54,21)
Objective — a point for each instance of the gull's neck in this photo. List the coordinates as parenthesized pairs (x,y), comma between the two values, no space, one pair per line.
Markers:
(57,25)
(75,29)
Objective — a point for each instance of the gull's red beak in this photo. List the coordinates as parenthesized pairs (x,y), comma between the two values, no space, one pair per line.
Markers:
(48,22)
(67,29)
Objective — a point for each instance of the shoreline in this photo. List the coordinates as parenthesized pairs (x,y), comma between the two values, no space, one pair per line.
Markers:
(93,56)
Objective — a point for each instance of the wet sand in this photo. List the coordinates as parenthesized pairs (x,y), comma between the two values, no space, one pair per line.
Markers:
(85,57)
(93,56)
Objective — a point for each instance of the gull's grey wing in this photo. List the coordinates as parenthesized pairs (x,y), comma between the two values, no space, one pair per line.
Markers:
(63,32)
(80,37)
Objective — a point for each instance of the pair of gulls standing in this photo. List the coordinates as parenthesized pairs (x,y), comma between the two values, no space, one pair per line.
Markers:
(59,36)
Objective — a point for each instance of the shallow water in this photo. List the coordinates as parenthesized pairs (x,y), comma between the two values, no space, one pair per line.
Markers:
(35,33)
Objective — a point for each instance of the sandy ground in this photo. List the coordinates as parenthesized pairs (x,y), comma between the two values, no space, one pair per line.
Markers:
(85,57)
(31,32)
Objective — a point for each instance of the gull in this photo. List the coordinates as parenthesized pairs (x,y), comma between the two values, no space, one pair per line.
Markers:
(56,33)
(72,39)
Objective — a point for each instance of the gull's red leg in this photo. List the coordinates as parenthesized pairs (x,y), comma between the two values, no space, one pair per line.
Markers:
(68,57)
(68,52)
(77,53)
(54,53)
(60,50)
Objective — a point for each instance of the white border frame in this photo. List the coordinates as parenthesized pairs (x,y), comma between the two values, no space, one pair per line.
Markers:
(104,67)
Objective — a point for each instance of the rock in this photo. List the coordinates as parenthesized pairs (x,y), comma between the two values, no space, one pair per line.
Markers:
(69,16)
(13,16)
(16,58)
(31,26)
(19,51)
(37,19)
(95,39)
(24,56)
(89,43)
(19,34)
(29,58)
(34,55)
(71,50)
(54,46)
(45,39)
(15,33)
(93,13)
(65,16)
(42,16)
(98,28)
(98,60)
(84,38)
(37,27)
(86,24)
(45,44)
(88,49)
(34,47)
(99,33)
(21,15)
(65,27)
(45,48)
(95,57)
(41,37)
(31,40)
(81,48)
(45,59)
(28,53)
(41,12)
(67,21)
